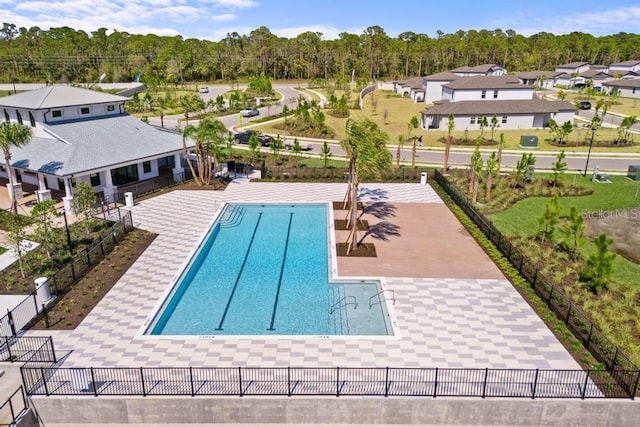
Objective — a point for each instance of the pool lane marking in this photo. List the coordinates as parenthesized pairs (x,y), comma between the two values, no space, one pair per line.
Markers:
(284,258)
(244,262)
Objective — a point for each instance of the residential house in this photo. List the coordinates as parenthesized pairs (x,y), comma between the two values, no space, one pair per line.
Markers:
(573,67)
(433,85)
(627,88)
(410,88)
(480,70)
(594,77)
(81,135)
(541,79)
(513,103)
(622,69)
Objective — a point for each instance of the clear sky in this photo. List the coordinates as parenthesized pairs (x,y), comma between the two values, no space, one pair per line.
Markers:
(213,19)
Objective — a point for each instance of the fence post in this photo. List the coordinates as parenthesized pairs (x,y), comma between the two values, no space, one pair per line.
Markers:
(337,381)
(535,384)
(566,319)
(93,382)
(144,391)
(484,385)
(73,270)
(6,343)
(46,316)
(635,387)
(589,336)
(615,356)
(550,295)
(289,381)
(12,324)
(44,382)
(386,382)
(435,385)
(535,278)
(88,258)
(521,263)
(584,386)
(240,380)
(193,390)
(53,350)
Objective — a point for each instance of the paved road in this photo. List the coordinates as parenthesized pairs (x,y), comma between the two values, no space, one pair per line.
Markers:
(459,157)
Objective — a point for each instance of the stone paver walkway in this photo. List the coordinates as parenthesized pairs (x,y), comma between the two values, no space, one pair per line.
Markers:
(442,321)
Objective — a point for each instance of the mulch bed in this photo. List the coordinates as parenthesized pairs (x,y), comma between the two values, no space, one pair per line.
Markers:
(363,250)
(341,224)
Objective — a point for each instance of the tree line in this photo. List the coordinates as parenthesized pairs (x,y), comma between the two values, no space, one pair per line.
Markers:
(66,55)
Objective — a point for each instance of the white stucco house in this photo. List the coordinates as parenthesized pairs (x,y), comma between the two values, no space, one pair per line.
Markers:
(433,85)
(539,78)
(81,135)
(573,67)
(513,103)
(410,88)
(624,68)
(480,70)
(627,88)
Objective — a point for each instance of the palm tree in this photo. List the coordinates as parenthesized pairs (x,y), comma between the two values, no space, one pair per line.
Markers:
(365,147)
(13,135)
(209,135)
(447,148)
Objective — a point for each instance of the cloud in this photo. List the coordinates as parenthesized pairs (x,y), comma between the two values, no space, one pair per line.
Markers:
(234,4)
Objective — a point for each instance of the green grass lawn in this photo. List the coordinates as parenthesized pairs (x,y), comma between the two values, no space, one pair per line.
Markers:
(521,220)
(626,106)
(2,250)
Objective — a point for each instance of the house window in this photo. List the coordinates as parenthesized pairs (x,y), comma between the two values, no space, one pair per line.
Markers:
(124,175)
(56,114)
(32,120)
(6,115)
(84,110)
(473,120)
(504,119)
(146,167)
(95,179)
(19,116)
(111,108)
(484,94)
(495,94)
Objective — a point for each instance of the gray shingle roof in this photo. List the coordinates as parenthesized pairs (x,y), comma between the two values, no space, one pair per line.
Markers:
(573,65)
(57,97)
(630,83)
(414,82)
(444,76)
(486,82)
(85,145)
(626,63)
(488,108)
(591,73)
(532,75)
(484,68)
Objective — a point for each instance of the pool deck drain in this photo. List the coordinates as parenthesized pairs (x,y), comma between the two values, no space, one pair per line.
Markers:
(454,308)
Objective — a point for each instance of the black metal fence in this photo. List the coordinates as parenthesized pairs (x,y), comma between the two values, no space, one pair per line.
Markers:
(13,408)
(60,282)
(27,349)
(241,381)
(341,174)
(572,315)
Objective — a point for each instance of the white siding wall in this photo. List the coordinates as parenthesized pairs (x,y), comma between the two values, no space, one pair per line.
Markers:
(447,93)
(152,174)
(524,121)
(476,94)
(564,116)
(98,110)
(627,92)
(433,91)
(623,69)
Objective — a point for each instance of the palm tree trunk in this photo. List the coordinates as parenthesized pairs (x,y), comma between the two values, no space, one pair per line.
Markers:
(487,188)
(186,156)
(474,191)
(413,154)
(447,150)
(14,201)
(353,244)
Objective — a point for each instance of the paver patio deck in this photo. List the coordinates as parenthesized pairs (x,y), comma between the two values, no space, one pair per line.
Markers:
(449,313)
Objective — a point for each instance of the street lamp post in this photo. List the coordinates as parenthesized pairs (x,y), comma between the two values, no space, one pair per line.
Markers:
(66,227)
(586,166)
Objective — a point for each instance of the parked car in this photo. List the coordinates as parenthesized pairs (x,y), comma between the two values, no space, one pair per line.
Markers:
(243,137)
(204,89)
(585,105)
(249,112)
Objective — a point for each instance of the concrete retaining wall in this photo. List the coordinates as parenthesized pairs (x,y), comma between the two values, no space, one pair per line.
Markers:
(343,410)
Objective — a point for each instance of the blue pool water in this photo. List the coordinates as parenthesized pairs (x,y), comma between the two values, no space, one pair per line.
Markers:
(263,270)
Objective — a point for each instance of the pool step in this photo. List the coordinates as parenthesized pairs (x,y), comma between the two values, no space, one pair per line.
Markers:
(339,303)
(232,216)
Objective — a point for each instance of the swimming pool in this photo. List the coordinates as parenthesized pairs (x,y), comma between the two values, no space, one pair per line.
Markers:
(264,270)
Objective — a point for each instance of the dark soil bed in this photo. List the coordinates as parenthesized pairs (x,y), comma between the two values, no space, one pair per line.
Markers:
(72,307)
(341,224)
(363,250)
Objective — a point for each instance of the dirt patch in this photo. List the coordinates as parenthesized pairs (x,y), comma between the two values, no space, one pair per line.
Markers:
(622,225)
(364,250)
(341,224)
(71,309)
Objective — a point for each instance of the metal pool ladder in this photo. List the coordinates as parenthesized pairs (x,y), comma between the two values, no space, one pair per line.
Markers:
(337,305)
(393,297)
